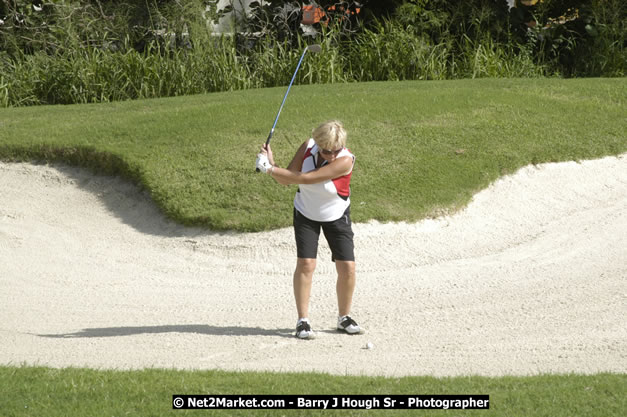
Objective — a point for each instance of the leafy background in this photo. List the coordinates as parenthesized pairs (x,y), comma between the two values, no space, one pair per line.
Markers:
(70,51)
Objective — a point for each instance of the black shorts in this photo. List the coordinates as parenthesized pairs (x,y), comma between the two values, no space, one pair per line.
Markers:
(339,235)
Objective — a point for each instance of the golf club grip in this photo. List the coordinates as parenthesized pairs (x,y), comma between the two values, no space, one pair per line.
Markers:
(267,142)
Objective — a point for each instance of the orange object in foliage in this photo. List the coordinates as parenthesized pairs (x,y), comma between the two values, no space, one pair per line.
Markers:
(312,15)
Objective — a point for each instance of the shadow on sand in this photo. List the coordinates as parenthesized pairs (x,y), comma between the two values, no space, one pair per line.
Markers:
(182,328)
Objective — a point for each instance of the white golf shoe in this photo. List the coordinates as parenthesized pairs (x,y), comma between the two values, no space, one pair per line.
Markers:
(304,330)
(348,325)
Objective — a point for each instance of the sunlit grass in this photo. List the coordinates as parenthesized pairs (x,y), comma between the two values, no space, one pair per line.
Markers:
(422,147)
(46,392)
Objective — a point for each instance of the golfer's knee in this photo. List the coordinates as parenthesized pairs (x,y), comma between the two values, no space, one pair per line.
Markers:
(306,265)
(345,269)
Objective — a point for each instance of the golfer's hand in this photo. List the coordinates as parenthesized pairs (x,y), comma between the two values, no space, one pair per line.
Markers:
(263,164)
(267,150)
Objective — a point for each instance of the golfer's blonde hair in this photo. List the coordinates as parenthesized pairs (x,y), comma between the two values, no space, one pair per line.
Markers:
(330,135)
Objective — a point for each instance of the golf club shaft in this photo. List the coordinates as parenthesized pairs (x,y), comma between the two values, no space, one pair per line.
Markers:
(285,97)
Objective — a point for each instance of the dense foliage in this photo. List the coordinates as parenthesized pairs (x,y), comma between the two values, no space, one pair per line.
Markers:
(79,51)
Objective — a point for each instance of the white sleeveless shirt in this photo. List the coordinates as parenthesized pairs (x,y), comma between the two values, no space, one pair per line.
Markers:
(325,201)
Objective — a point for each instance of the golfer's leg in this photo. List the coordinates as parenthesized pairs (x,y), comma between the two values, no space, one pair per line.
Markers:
(302,284)
(345,285)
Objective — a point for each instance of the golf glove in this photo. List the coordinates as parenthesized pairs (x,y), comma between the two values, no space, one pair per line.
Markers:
(262,163)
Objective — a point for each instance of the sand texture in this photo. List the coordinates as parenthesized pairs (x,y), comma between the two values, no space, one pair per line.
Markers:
(530,278)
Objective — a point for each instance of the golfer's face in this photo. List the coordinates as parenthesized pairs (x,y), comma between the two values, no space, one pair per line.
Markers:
(330,154)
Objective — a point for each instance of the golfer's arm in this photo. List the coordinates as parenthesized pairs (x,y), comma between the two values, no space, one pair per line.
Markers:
(297,161)
(295,166)
(338,168)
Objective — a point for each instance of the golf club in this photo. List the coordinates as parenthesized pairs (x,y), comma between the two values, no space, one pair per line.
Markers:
(310,48)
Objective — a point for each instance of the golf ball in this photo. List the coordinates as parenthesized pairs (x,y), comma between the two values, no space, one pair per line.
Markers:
(369,345)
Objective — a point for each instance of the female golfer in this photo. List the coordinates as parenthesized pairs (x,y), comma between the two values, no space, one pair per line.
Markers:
(322,168)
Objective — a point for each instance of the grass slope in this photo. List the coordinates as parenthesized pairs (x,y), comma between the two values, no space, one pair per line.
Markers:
(38,391)
(422,147)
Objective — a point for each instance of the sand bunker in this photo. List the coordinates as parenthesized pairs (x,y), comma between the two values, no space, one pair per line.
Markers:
(530,278)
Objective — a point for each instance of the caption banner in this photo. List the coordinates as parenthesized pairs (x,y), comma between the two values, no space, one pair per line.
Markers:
(331,402)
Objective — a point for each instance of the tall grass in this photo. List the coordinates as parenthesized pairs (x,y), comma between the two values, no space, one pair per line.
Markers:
(393,52)
(4,93)
(608,52)
(94,75)
(212,64)
(75,64)
(485,58)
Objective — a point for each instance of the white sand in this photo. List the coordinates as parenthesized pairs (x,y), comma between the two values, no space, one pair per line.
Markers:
(530,278)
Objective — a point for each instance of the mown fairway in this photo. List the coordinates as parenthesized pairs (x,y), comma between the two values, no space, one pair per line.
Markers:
(422,147)
(51,392)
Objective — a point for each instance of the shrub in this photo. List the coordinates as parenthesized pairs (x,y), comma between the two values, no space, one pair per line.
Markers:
(71,51)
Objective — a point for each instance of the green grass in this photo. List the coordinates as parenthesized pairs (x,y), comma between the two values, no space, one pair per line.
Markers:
(422,147)
(38,391)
